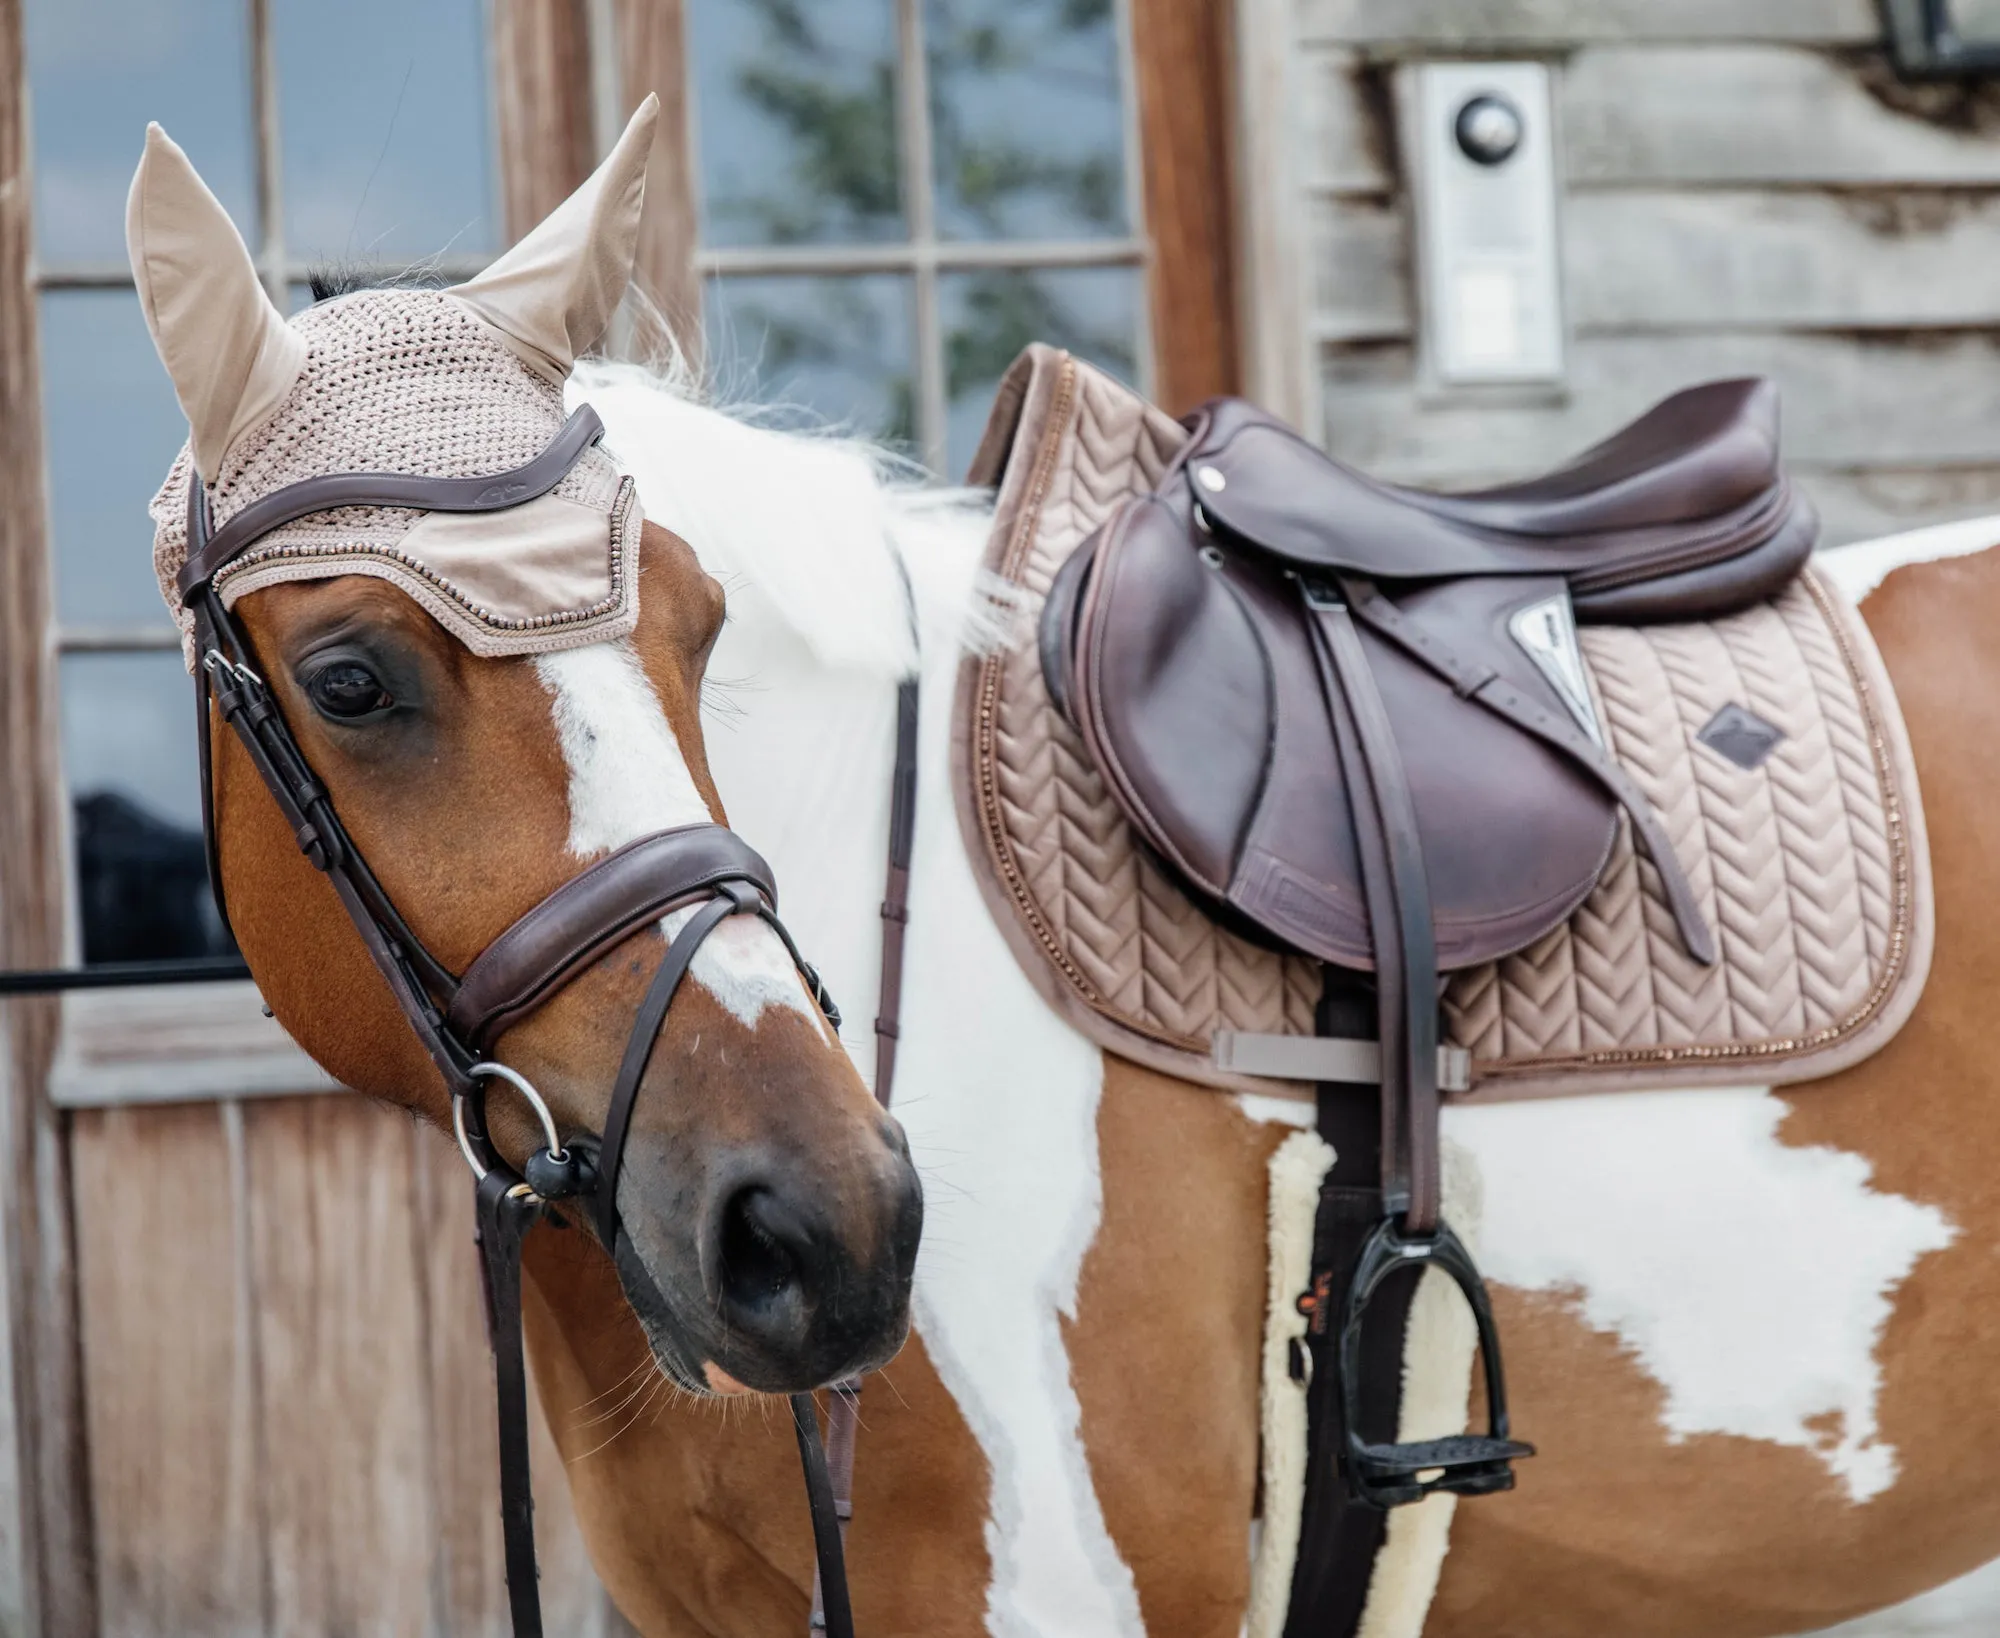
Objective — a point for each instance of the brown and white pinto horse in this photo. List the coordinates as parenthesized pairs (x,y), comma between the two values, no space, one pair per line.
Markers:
(1747,1330)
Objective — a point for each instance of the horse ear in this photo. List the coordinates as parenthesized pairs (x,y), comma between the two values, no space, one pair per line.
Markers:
(229,351)
(552,296)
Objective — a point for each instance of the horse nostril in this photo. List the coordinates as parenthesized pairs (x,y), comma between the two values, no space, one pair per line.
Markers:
(763,1249)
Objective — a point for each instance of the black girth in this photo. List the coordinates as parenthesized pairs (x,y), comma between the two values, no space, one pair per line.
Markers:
(706,867)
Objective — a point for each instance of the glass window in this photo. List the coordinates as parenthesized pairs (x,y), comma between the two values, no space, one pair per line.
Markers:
(991,314)
(898,195)
(837,349)
(129,750)
(386,159)
(1027,118)
(796,108)
(387,155)
(100,69)
(113,426)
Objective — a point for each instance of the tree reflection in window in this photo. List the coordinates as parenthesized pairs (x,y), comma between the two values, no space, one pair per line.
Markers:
(1027,119)
(1027,136)
(813,349)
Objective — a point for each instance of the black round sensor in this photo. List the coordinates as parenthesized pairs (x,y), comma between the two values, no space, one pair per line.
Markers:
(1488,128)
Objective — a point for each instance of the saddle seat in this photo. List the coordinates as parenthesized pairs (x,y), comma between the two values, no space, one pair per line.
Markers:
(1684,513)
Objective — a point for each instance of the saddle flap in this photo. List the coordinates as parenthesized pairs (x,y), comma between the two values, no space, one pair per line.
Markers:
(1192,677)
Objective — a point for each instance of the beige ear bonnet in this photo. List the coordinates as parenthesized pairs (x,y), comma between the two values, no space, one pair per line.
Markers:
(425,383)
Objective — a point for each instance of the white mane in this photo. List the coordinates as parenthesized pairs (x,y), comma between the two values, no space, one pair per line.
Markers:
(813,530)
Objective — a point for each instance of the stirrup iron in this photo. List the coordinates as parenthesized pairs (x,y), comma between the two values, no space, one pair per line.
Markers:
(1464,1464)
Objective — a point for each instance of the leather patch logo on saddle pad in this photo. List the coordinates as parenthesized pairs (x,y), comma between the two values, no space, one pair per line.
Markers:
(1738,733)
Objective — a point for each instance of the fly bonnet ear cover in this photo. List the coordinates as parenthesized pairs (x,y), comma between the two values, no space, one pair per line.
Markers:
(455,383)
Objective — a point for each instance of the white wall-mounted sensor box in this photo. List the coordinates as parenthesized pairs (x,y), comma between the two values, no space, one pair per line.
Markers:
(1481,141)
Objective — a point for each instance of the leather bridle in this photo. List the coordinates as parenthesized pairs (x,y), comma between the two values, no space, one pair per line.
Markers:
(458,1017)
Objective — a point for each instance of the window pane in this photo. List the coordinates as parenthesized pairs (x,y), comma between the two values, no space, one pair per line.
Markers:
(129,751)
(989,316)
(1027,115)
(98,71)
(113,427)
(796,110)
(387,154)
(835,349)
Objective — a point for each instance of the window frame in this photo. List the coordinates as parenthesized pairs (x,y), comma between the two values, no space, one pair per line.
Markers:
(562,79)
(182,1042)
(922,256)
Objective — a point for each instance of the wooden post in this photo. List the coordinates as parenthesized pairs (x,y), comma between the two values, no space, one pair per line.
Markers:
(652,49)
(541,86)
(1181,51)
(47,1570)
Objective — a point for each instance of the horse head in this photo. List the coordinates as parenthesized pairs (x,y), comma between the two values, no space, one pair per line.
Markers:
(493,700)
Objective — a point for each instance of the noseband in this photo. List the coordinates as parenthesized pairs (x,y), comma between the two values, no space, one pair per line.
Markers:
(704,868)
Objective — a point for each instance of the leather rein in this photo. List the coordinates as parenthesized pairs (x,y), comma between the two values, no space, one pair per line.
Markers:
(458,1017)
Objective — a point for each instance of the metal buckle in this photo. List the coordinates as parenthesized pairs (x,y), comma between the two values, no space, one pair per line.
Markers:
(215,661)
(1466,1464)
(1321,595)
(521,1083)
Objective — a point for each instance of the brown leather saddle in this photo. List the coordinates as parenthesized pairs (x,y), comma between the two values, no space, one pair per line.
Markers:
(1352,719)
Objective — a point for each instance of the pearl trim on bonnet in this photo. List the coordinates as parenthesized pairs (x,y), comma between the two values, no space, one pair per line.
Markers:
(412,381)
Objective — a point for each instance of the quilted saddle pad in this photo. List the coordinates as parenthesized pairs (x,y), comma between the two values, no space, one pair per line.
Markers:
(1811,863)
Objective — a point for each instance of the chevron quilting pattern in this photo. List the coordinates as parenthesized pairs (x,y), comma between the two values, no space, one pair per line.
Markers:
(1795,861)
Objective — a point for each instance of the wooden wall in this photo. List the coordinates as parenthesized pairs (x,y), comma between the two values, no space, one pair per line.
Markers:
(1747,188)
(290,1399)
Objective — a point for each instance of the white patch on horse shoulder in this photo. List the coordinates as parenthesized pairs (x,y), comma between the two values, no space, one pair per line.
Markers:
(627,779)
(997,1094)
(1751,1278)
(1859,569)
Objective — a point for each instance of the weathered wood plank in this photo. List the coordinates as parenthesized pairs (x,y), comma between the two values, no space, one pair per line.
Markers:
(168,1372)
(469,1572)
(1515,24)
(1272,95)
(348,1493)
(47,1569)
(1346,121)
(1180,55)
(1668,260)
(1705,259)
(1861,505)
(1835,388)
(1363,284)
(1738,114)
(171,1042)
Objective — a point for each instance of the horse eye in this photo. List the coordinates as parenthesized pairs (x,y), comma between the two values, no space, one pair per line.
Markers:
(348,689)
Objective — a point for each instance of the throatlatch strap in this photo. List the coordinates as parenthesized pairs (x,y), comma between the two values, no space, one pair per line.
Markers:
(843,1411)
